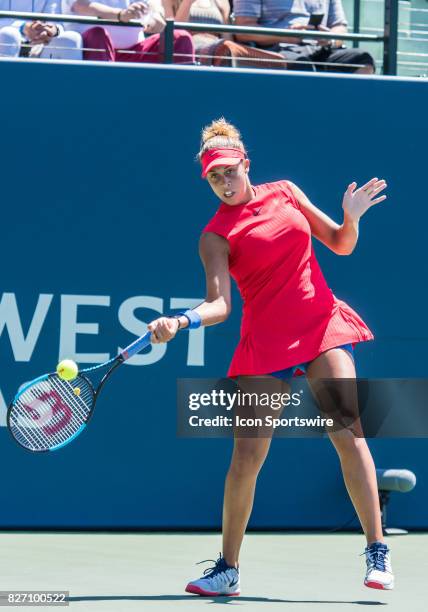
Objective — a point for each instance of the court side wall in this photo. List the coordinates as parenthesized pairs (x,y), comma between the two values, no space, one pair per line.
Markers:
(102,205)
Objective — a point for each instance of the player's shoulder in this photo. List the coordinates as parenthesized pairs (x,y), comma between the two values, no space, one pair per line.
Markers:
(282,187)
(215,221)
(274,185)
(214,232)
(212,244)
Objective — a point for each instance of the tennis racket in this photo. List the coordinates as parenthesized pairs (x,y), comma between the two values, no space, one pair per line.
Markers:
(49,412)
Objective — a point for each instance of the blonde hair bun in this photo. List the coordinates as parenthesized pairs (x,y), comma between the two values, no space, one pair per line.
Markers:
(220,127)
(220,133)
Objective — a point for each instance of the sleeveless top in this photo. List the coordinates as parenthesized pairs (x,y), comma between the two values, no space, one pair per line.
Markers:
(205,11)
(290,315)
(205,43)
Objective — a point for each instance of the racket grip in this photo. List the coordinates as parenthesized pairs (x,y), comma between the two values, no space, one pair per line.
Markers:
(136,346)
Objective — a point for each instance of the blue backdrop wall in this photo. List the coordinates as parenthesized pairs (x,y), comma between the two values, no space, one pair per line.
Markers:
(102,206)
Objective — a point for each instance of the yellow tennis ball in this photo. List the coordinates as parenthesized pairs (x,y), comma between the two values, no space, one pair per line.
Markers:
(76,391)
(67,369)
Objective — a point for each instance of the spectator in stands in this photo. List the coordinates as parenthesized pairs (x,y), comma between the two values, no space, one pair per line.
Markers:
(128,44)
(201,11)
(295,14)
(46,40)
(218,49)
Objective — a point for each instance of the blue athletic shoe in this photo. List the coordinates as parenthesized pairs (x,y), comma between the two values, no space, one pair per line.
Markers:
(379,571)
(218,580)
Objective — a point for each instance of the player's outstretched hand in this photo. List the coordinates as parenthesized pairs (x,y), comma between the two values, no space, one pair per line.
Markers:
(163,329)
(357,201)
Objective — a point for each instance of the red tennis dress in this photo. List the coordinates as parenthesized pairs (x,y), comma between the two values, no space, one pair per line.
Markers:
(290,315)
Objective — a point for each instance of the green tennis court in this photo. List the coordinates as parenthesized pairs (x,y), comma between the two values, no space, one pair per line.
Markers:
(292,571)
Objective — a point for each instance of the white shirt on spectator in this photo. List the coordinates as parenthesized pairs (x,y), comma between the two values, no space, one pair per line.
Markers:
(27,6)
(67,45)
(123,37)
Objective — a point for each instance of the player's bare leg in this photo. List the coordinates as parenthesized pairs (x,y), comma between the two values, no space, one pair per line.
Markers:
(247,459)
(357,464)
(249,454)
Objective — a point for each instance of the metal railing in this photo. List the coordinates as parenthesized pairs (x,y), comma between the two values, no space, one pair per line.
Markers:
(389,37)
(412,52)
(357,17)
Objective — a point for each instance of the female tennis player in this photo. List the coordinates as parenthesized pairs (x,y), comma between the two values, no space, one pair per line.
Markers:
(261,236)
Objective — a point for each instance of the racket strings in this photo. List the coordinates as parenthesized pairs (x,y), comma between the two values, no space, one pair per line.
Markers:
(29,438)
(50,412)
(79,404)
(45,419)
(24,421)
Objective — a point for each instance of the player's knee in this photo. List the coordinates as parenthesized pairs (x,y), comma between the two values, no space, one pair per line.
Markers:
(10,41)
(247,462)
(347,440)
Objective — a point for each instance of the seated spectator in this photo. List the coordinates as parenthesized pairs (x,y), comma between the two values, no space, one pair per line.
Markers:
(19,37)
(200,11)
(302,54)
(218,49)
(128,44)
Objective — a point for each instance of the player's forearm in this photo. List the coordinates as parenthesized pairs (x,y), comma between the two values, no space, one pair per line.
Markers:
(95,9)
(211,313)
(346,237)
